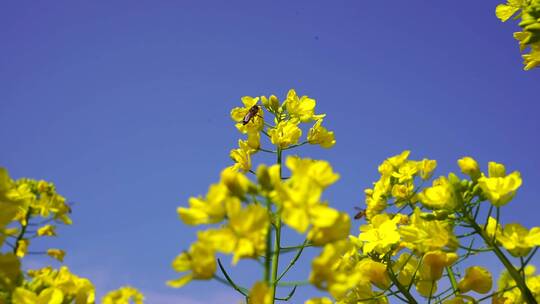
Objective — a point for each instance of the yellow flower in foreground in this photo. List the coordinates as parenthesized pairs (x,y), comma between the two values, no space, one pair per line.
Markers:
(71,286)
(505,11)
(285,133)
(469,166)
(319,135)
(431,270)
(380,234)
(375,272)
(518,240)
(260,294)
(123,296)
(324,300)
(242,156)
(334,269)
(302,108)
(56,254)
(47,296)
(499,188)
(200,260)
(244,235)
(426,235)
(318,172)
(208,210)
(439,196)
(427,166)
(339,230)
(477,279)
(10,271)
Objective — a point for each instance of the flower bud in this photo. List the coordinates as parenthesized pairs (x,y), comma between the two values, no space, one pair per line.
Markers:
(469,166)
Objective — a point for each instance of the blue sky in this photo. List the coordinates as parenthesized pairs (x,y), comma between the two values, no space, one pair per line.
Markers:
(125,106)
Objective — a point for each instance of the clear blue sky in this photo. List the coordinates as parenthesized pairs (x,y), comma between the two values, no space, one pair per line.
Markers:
(125,106)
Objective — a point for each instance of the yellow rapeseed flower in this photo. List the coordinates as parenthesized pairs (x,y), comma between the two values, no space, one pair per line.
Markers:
(319,135)
(439,196)
(260,294)
(123,295)
(200,260)
(285,133)
(46,296)
(244,235)
(379,235)
(477,279)
(469,166)
(301,108)
(499,188)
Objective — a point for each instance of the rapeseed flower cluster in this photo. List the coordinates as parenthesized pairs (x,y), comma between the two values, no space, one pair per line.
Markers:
(529,37)
(33,209)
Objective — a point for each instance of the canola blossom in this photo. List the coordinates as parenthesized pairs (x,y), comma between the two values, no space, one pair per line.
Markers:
(416,230)
(528,11)
(33,209)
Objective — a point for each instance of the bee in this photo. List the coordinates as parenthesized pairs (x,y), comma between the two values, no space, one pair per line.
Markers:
(250,114)
(361,213)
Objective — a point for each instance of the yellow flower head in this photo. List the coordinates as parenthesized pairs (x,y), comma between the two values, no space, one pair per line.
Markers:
(242,156)
(469,166)
(380,234)
(200,260)
(499,188)
(440,196)
(324,300)
(302,108)
(320,235)
(319,135)
(335,269)
(244,235)
(260,294)
(426,167)
(426,235)
(518,240)
(208,210)
(123,295)
(285,133)
(477,279)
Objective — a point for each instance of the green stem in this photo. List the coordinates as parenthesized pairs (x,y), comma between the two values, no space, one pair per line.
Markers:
(23,231)
(277,244)
(267,257)
(404,291)
(296,257)
(520,282)
(453,281)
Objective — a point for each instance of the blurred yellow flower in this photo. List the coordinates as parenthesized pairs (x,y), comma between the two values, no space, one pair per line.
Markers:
(477,279)
(200,260)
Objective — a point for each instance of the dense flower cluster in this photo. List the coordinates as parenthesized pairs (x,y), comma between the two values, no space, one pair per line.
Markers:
(418,228)
(32,209)
(529,37)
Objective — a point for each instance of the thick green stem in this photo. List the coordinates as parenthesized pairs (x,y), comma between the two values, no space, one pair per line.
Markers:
(277,242)
(520,282)
(267,256)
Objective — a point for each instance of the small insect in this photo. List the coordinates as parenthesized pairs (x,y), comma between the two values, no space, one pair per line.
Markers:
(361,213)
(250,114)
